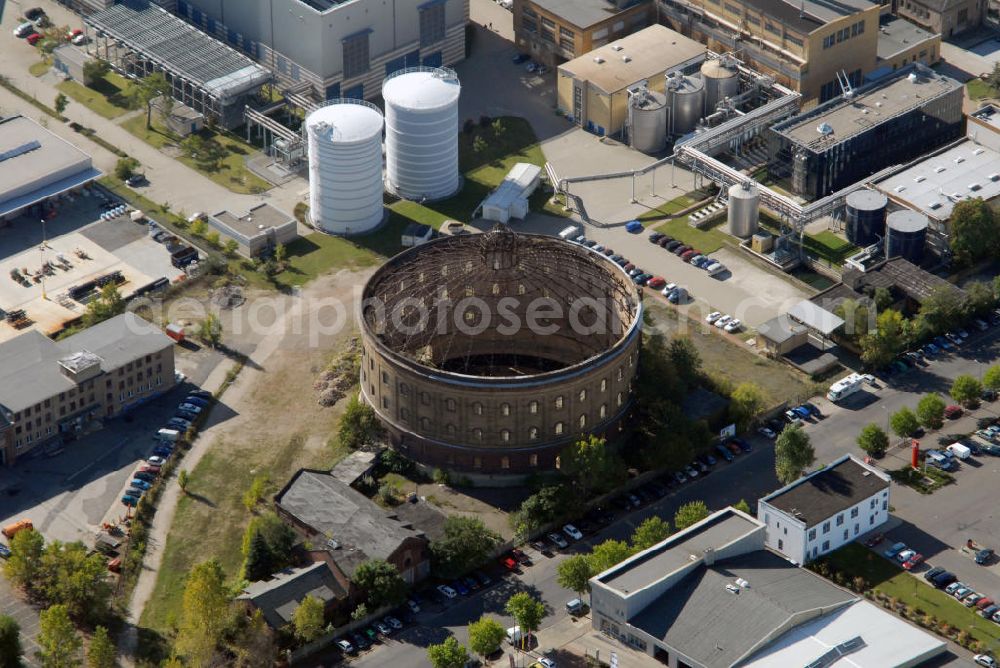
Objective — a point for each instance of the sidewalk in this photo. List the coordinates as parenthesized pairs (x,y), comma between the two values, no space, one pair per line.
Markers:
(572,640)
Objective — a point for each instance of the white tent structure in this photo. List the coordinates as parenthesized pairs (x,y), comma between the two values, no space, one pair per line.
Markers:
(510,199)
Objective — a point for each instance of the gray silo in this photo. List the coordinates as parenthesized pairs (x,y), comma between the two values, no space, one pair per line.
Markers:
(722,80)
(906,235)
(685,103)
(865,217)
(647,120)
(744,209)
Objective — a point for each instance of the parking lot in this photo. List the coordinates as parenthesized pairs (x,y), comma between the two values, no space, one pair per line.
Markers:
(80,248)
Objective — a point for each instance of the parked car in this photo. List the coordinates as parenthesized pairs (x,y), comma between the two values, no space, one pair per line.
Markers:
(360,641)
(145,477)
(150,468)
(743,444)
(913,562)
(447,591)
(4,551)
(521,557)
(680,477)
(33,39)
(971,600)
(129,500)
(953,587)
(944,579)
(656,282)
(724,452)
(813,410)
(894,550)
(393,622)
(873,540)
(345,646)
(654,237)
(953,412)
(712,317)
(558,541)
(190,408)
(157,460)
(691,471)
(180,424)
(24,29)
(196,401)
(985,660)
(767,432)
(510,564)
(792,417)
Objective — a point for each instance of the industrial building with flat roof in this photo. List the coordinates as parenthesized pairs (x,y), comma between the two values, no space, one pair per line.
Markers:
(890,121)
(803,45)
(592,90)
(258,232)
(553,31)
(901,43)
(328,48)
(58,389)
(36,165)
(714,596)
(139,38)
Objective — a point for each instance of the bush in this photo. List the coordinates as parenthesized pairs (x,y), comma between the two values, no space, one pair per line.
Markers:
(125,167)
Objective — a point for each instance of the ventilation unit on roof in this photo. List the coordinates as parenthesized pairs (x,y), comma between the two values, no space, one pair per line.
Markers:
(959,160)
(938,169)
(934,206)
(974,187)
(598,60)
(732,589)
(825,129)
(920,179)
(899,189)
(957,196)
(616,47)
(332,544)
(994,177)
(978,151)
(626,59)
(742,583)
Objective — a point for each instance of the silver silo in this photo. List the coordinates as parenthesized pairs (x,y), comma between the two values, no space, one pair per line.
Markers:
(721,79)
(647,120)
(685,103)
(744,209)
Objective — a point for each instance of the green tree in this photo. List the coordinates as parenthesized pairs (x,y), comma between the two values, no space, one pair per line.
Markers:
(479,144)
(144,92)
(71,576)
(107,304)
(210,330)
(279,539)
(255,492)
(381,582)
(280,253)
(466,544)
(690,514)
(607,554)
(253,644)
(873,440)
(448,654)
(258,564)
(941,310)
(966,389)
(95,69)
(858,317)
(10,643)
(207,153)
(308,619)
(685,358)
(574,573)
(746,402)
(652,530)
(930,411)
(550,503)
(993,78)
(485,636)
(204,609)
(991,378)
(61,103)
(883,298)
(125,167)
(212,237)
(359,612)
(904,422)
(743,506)
(230,248)
(23,565)
(887,340)
(182,480)
(793,454)
(58,642)
(359,425)
(974,233)
(979,297)
(527,612)
(199,227)
(592,466)
(102,652)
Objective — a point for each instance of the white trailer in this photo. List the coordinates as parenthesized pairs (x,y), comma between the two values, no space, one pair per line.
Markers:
(845,387)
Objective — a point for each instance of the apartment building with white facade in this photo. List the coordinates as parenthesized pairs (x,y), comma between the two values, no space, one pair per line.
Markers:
(826,509)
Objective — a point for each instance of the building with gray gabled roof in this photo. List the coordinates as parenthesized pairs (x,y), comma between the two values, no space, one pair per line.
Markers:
(714,596)
(278,597)
(55,390)
(350,526)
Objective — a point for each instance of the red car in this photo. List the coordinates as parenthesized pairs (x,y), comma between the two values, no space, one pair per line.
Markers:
(509,563)
(73,33)
(733,448)
(953,412)
(913,561)
(33,38)
(628,266)
(688,254)
(984,603)
(656,282)
(149,468)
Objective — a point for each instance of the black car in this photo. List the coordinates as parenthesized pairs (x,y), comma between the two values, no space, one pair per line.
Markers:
(943,579)
(777,426)
(655,237)
(813,410)
(673,245)
(665,241)
(33,13)
(988,395)
(185,415)
(135,180)
(933,573)
(724,452)
(360,641)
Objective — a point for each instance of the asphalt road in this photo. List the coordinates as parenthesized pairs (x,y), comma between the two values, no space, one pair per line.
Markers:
(748,477)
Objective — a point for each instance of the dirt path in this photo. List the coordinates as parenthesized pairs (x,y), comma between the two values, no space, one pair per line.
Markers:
(290,330)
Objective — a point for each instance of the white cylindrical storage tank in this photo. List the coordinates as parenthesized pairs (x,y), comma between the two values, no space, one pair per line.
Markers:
(685,103)
(421,133)
(345,167)
(721,80)
(744,209)
(647,113)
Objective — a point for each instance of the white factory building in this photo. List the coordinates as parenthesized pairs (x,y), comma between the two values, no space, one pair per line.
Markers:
(826,509)
(37,165)
(332,48)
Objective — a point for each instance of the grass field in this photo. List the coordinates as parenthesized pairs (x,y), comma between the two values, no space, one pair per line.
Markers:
(666,209)
(891,580)
(312,255)
(706,240)
(979,89)
(39,68)
(230,172)
(106,106)
(825,245)
(731,364)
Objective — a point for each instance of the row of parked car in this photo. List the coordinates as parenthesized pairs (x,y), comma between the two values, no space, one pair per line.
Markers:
(941,345)
(675,294)
(724,321)
(692,256)
(166,441)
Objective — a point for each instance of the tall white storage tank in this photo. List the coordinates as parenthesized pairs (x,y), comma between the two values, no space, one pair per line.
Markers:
(345,167)
(421,133)
(744,209)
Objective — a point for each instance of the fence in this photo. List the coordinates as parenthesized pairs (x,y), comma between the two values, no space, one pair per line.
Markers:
(328,639)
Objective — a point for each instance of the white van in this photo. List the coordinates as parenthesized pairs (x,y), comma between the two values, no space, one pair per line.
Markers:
(570,233)
(514,635)
(959,450)
(168,435)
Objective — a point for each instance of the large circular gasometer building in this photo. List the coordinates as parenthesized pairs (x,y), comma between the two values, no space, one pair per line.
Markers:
(488,353)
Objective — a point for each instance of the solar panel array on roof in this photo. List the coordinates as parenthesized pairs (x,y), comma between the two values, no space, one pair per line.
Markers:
(178,46)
